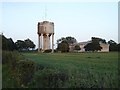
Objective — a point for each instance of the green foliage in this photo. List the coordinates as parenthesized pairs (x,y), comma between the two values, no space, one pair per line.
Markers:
(25,70)
(17,71)
(99,40)
(69,40)
(94,45)
(113,45)
(8,77)
(29,44)
(48,51)
(118,47)
(20,45)
(63,43)
(25,45)
(77,47)
(49,78)
(8,44)
(89,79)
(10,58)
(63,46)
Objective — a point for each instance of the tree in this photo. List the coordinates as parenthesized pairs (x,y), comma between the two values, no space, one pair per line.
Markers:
(29,44)
(118,47)
(64,42)
(63,46)
(11,44)
(8,44)
(111,42)
(77,47)
(89,47)
(4,43)
(69,40)
(113,45)
(25,45)
(102,41)
(94,45)
(20,45)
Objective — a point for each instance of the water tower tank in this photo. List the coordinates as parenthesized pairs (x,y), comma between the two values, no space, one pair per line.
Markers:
(45,27)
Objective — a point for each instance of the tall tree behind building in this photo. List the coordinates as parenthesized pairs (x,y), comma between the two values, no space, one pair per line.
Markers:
(64,42)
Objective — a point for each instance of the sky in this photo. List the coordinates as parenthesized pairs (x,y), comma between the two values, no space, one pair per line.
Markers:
(81,20)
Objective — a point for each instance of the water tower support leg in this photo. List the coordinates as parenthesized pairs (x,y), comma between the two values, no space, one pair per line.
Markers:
(38,43)
(52,43)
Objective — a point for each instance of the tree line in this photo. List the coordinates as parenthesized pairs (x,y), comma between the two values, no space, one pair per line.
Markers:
(94,45)
(62,44)
(20,45)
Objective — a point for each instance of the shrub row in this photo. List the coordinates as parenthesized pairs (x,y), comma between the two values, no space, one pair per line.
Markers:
(10,58)
(18,67)
(24,71)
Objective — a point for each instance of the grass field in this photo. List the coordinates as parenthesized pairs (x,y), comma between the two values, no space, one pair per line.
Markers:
(84,70)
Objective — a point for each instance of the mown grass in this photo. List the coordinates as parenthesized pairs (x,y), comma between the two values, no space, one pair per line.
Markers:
(83,70)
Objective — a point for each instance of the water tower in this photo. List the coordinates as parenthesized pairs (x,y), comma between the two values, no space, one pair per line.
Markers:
(45,31)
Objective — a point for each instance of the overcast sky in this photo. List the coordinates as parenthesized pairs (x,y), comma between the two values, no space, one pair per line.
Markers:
(81,20)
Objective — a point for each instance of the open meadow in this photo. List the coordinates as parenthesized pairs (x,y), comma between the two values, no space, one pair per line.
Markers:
(60,70)
(79,69)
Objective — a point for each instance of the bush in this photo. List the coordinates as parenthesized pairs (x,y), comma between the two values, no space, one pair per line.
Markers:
(9,64)
(25,71)
(10,58)
(20,71)
(55,51)
(48,51)
(6,57)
